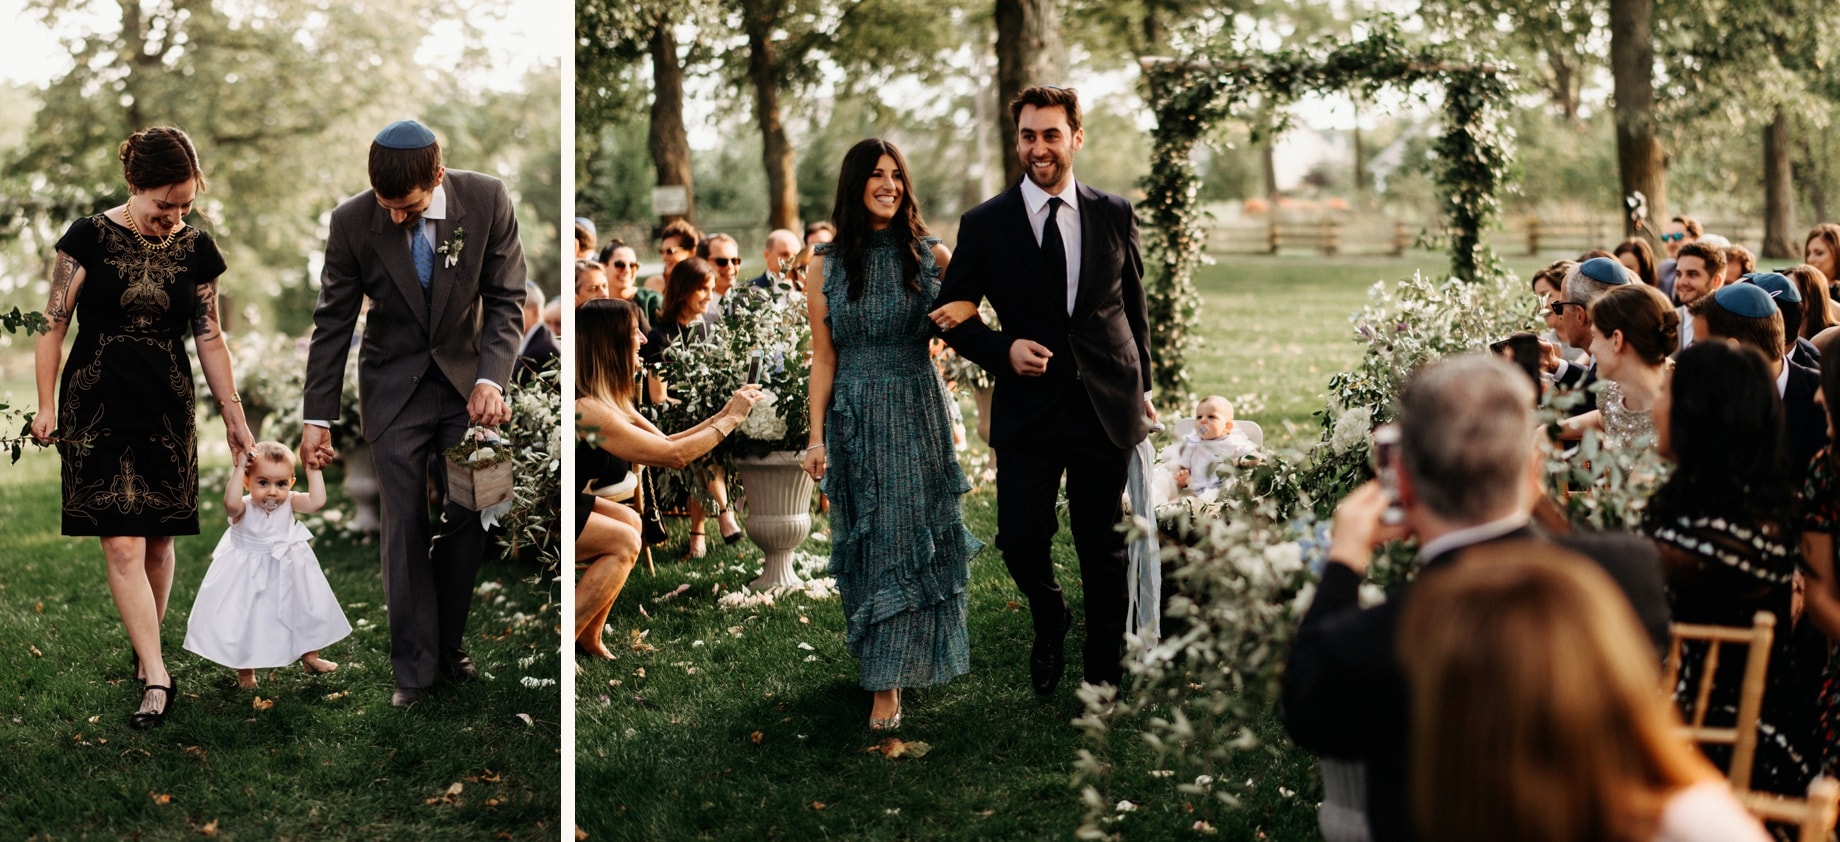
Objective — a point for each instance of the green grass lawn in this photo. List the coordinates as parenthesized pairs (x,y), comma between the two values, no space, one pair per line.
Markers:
(749,724)
(328,760)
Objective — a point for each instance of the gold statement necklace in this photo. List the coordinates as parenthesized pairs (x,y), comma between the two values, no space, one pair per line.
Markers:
(156,245)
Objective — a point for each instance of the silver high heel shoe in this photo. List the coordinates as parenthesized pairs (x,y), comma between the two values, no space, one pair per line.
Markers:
(892,722)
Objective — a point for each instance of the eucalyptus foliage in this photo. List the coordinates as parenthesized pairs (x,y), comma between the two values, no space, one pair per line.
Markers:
(1190,96)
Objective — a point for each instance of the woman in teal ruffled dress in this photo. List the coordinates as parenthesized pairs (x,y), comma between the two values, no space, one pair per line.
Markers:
(881,437)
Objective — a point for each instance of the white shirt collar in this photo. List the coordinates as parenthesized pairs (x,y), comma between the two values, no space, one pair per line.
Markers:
(1782,379)
(437,203)
(1471,535)
(1033,197)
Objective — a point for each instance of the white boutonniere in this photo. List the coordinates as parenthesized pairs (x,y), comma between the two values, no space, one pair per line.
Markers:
(451,248)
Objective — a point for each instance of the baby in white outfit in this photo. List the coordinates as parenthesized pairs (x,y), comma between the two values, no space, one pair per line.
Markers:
(1213,442)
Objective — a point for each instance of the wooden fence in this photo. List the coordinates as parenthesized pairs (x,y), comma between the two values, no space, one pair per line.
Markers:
(1353,234)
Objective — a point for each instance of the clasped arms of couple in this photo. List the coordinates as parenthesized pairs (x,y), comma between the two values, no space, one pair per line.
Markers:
(1059,263)
(439,342)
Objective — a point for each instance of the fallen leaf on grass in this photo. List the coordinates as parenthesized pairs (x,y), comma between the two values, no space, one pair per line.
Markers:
(40,608)
(804,619)
(818,805)
(197,750)
(35,652)
(681,590)
(262,704)
(1013,605)
(490,777)
(160,798)
(644,613)
(613,682)
(451,796)
(756,737)
(806,646)
(333,697)
(895,747)
(580,834)
(95,719)
(527,720)
(209,829)
(640,672)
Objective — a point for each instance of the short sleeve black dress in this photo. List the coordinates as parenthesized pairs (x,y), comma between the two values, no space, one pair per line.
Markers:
(127,386)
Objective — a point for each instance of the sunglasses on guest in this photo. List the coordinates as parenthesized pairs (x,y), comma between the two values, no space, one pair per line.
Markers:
(1673,238)
(621,264)
(725,262)
(1558,307)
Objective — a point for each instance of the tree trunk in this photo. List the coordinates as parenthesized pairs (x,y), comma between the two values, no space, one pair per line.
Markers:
(667,140)
(1360,149)
(1564,85)
(1641,162)
(1268,159)
(776,151)
(1029,52)
(1778,190)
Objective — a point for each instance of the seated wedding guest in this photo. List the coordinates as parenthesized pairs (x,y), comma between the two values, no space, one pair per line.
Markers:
(1583,284)
(1546,283)
(1466,474)
(539,345)
(1723,523)
(1746,315)
(1820,523)
(1633,330)
(584,238)
(684,319)
(676,242)
(1700,271)
(623,282)
(1819,311)
(1788,298)
(607,534)
(1822,251)
(1680,231)
(821,231)
(1523,350)
(1636,256)
(779,258)
(552,317)
(1534,712)
(1739,261)
(724,254)
(590,281)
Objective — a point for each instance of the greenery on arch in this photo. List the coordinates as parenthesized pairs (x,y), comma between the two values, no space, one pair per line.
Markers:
(1190,96)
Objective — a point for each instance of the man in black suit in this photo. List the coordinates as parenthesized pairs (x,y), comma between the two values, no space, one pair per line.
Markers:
(1059,263)
(1747,315)
(539,346)
(1466,475)
(1583,284)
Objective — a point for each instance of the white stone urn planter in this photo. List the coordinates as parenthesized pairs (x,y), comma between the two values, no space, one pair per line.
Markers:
(778,512)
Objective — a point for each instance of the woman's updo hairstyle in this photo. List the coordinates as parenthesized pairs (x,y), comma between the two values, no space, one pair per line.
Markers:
(157,157)
(1649,324)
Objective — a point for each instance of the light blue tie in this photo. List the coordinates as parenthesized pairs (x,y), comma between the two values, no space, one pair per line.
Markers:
(423,254)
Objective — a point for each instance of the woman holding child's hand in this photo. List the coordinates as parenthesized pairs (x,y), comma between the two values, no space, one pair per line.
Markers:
(121,414)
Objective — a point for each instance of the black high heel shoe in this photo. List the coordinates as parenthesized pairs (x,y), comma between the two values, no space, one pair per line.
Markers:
(730,537)
(141,720)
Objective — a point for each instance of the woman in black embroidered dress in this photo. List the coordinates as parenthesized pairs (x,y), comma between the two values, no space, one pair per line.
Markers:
(1725,525)
(138,278)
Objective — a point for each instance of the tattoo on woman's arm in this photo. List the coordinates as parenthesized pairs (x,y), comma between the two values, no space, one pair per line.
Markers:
(57,311)
(204,317)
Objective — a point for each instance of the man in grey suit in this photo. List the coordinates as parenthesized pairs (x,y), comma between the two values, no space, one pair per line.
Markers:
(437,253)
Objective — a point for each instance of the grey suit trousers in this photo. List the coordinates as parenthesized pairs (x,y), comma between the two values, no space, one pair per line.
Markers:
(428,569)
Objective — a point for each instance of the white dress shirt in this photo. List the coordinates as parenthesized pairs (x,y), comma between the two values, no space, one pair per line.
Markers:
(1035,200)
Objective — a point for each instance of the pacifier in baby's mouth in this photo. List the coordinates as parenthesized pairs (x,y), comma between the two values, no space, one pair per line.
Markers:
(270,506)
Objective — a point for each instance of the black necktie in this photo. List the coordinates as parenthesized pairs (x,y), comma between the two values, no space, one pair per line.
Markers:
(1053,248)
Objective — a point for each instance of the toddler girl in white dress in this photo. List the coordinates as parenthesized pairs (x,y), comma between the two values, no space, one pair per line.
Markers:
(265,602)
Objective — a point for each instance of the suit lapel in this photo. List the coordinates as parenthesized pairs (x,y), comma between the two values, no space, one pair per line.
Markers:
(444,277)
(1092,247)
(392,245)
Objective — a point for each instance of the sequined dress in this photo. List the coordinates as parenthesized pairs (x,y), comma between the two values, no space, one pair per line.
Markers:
(900,551)
(127,384)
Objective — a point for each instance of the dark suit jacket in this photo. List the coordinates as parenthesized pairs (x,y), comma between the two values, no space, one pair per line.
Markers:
(1804,421)
(1805,353)
(536,353)
(1345,695)
(1582,379)
(1103,348)
(470,328)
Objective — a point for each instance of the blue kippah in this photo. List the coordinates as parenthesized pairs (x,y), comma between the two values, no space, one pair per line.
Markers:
(1778,286)
(1604,271)
(1747,300)
(405,134)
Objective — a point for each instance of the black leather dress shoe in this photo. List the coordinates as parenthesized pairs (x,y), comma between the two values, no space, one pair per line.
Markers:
(1048,658)
(459,668)
(406,696)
